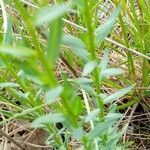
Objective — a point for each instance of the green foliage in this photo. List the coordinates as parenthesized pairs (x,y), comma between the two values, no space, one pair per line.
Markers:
(118,94)
(8,84)
(77,45)
(54,40)
(104,30)
(50,13)
(47,119)
(19,52)
(110,72)
(89,67)
(49,94)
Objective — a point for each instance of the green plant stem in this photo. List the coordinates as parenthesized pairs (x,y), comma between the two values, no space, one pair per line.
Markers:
(34,38)
(10,68)
(13,73)
(48,68)
(129,54)
(128,104)
(92,49)
(88,112)
(56,137)
(138,23)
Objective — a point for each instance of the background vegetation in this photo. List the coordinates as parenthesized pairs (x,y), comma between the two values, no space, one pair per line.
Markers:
(75,74)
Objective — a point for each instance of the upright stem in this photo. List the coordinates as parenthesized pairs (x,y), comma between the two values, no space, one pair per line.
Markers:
(34,38)
(92,49)
(5,60)
(129,54)
(88,112)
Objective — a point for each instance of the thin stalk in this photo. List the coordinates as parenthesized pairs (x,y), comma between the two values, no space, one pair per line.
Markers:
(5,31)
(14,74)
(145,71)
(88,112)
(92,49)
(129,54)
(5,60)
(48,68)
(138,23)
(134,13)
(56,137)
(111,41)
(34,38)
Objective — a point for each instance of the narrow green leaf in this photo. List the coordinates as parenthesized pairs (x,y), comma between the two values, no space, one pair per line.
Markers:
(73,41)
(54,40)
(77,45)
(21,94)
(118,94)
(89,67)
(103,30)
(47,119)
(83,81)
(20,52)
(103,127)
(8,84)
(115,137)
(77,133)
(29,69)
(23,113)
(104,61)
(31,72)
(99,130)
(89,89)
(102,95)
(110,72)
(92,115)
(113,116)
(8,37)
(50,13)
(53,94)
(76,106)
(2,64)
